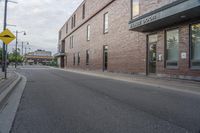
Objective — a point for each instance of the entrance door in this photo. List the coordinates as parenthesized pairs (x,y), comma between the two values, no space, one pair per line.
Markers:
(152,55)
(62,62)
(105,57)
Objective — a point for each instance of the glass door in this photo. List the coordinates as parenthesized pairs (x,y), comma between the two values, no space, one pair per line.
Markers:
(152,54)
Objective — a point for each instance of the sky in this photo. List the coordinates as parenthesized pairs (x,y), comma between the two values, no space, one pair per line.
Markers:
(41,19)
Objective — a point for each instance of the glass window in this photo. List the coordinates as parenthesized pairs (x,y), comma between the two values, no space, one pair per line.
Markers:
(83,15)
(60,33)
(153,38)
(66,27)
(135,8)
(88,32)
(74,60)
(195,46)
(79,58)
(71,43)
(106,23)
(74,20)
(172,48)
(87,57)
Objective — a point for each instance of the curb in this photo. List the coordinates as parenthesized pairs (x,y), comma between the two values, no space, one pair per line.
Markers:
(9,89)
(174,88)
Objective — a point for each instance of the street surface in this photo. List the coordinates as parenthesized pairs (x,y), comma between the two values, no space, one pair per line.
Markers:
(55,101)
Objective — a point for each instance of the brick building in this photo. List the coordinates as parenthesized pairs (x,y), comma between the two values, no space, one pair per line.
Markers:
(149,37)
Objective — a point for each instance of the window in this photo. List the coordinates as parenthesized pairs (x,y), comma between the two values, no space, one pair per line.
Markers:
(195,46)
(172,48)
(105,23)
(74,60)
(83,12)
(63,47)
(88,32)
(87,57)
(71,43)
(60,35)
(79,58)
(135,6)
(74,24)
(66,27)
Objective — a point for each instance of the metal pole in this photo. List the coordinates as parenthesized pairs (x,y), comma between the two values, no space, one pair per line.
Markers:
(4,60)
(16,49)
(6,55)
(25,55)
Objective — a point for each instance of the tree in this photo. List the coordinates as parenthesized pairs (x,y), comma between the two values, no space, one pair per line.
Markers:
(13,57)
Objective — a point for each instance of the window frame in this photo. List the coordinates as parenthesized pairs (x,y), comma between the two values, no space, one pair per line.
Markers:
(132,17)
(60,35)
(72,22)
(74,59)
(190,46)
(66,28)
(104,23)
(83,11)
(87,57)
(88,32)
(165,47)
(79,59)
(71,42)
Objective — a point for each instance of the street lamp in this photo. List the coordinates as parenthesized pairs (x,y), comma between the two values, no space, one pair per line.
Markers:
(17,32)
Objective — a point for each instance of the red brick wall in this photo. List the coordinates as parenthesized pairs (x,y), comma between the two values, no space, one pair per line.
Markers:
(126,49)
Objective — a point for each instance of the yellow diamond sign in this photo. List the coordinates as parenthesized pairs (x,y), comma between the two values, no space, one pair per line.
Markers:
(7,36)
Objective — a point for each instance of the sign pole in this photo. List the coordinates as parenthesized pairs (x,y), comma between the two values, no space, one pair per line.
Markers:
(6,55)
(4,67)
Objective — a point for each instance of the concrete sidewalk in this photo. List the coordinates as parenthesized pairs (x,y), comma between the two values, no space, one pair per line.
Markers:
(7,85)
(168,83)
(1,75)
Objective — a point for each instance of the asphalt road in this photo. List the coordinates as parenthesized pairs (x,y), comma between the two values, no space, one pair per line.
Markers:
(55,101)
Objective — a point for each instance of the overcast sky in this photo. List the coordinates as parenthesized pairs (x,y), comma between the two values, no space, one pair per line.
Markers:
(41,19)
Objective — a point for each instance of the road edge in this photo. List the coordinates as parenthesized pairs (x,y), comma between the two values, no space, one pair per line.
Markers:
(9,111)
(174,88)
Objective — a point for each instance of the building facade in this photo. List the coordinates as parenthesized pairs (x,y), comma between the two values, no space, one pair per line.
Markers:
(148,37)
(39,57)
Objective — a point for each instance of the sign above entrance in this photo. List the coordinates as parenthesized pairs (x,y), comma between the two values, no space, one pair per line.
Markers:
(175,12)
(7,36)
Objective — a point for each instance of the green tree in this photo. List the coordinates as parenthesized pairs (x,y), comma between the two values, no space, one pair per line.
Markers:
(13,57)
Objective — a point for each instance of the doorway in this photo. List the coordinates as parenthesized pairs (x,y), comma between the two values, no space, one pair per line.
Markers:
(152,53)
(105,58)
(62,62)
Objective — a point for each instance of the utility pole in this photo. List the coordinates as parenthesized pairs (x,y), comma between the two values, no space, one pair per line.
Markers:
(16,49)
(4,55)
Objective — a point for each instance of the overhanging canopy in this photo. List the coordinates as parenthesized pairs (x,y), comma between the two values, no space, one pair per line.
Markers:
(176,12)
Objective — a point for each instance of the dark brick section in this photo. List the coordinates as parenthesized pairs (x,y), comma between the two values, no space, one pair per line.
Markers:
(127,50)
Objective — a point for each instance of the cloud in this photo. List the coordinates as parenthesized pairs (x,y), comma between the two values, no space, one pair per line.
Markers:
(41,19)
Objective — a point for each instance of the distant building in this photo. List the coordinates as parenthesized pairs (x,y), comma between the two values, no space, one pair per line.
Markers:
(39,57)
